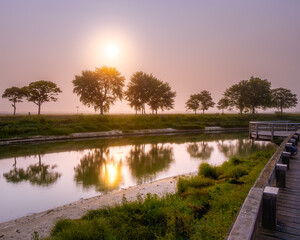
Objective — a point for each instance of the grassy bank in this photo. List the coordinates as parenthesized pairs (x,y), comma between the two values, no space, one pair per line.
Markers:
(24,126)
(204,207)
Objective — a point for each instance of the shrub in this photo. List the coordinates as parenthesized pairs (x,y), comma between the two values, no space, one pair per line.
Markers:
(208,171)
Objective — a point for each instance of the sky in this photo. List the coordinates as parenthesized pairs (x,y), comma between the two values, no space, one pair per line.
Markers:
(194,45)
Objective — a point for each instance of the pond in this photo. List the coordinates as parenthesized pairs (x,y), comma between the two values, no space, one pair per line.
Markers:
(38,177)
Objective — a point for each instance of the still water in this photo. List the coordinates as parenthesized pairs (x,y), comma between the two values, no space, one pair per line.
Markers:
(38,177)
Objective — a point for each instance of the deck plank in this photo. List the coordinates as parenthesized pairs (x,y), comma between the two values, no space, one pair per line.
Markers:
(288,206)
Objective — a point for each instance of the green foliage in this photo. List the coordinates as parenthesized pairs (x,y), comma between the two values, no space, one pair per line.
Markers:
(24,126)
(202,101)
(14,95)
(145,89)
(100,88)
(283,98)
(41,91)
(249,94)
(208,171)
(203,208)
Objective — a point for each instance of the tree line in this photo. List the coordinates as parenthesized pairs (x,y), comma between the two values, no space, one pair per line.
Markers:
(246,96)
(102,87)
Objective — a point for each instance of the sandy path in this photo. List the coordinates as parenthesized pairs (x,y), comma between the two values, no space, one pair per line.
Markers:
(22,228)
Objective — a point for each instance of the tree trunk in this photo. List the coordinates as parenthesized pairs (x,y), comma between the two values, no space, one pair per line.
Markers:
(101,109)
(156,111)
(14,106)
(39,111)
(253,110)
(195,111)
(281,109)
(222,110)
(203,111)
(241,111)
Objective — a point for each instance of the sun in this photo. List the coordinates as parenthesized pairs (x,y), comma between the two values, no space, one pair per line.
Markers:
(112,50)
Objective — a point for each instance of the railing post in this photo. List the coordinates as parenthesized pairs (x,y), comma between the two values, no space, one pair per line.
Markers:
(256,125)
(280,175)
(272,133)
(269,218)
(285,159)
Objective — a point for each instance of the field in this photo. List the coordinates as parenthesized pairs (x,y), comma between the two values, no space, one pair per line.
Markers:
(26,126)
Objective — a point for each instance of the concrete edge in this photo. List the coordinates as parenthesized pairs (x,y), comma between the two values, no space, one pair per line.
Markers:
(114,133)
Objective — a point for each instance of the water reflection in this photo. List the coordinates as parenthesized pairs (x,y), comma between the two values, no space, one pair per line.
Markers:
(37,174)
(200,150)
(145,161)
(241,147)
(99,170)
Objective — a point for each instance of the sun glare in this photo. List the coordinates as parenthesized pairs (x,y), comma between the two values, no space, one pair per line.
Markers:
(112,51)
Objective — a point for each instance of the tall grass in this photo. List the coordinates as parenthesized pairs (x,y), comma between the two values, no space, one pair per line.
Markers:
(203,208)
(23,126)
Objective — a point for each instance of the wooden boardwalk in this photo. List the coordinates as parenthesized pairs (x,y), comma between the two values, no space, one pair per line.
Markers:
(288,206)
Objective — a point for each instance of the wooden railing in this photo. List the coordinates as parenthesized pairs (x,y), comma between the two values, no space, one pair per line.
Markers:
(271,129)
(250,215)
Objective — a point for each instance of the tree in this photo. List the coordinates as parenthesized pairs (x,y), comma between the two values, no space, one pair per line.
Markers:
(161,96)
(145,89)
(223,104)
(205,100)
(100,88)
(193,103)
(283,98)
(258,94)
(237,95)
(14,95)
(137,93)
(41,91)
(250,94)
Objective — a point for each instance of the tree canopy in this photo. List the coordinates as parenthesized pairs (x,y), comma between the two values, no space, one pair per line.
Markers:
(145,89)
(14,95)
(41,91)
(200,101)
(283,98)
(100,88)
(249,94)
(223,104)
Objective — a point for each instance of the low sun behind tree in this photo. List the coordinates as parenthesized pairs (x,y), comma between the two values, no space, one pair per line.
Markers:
(100,88)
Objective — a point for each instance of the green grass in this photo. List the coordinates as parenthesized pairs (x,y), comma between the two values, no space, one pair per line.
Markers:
(204,207)
(25,126)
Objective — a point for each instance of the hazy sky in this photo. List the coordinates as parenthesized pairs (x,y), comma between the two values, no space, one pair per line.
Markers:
(193,45)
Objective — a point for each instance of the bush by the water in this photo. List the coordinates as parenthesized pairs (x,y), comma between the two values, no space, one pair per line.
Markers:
(204,207)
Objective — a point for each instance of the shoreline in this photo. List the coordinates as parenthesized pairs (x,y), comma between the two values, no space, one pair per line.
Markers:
(115,133)
(42,222)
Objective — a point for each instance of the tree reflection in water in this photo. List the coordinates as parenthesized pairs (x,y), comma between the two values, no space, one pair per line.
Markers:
(199,150)
(37,174)
(242,147)
(99,170)
(145,164)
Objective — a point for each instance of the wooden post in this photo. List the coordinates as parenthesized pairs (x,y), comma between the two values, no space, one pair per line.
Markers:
(256,126)
(293,141)
(296,138)
(280,175)
(285,159)
(288,147)
(269,218)
(272,133)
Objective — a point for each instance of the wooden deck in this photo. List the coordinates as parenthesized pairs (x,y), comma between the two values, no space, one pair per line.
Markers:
(267,135)
(288,206)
